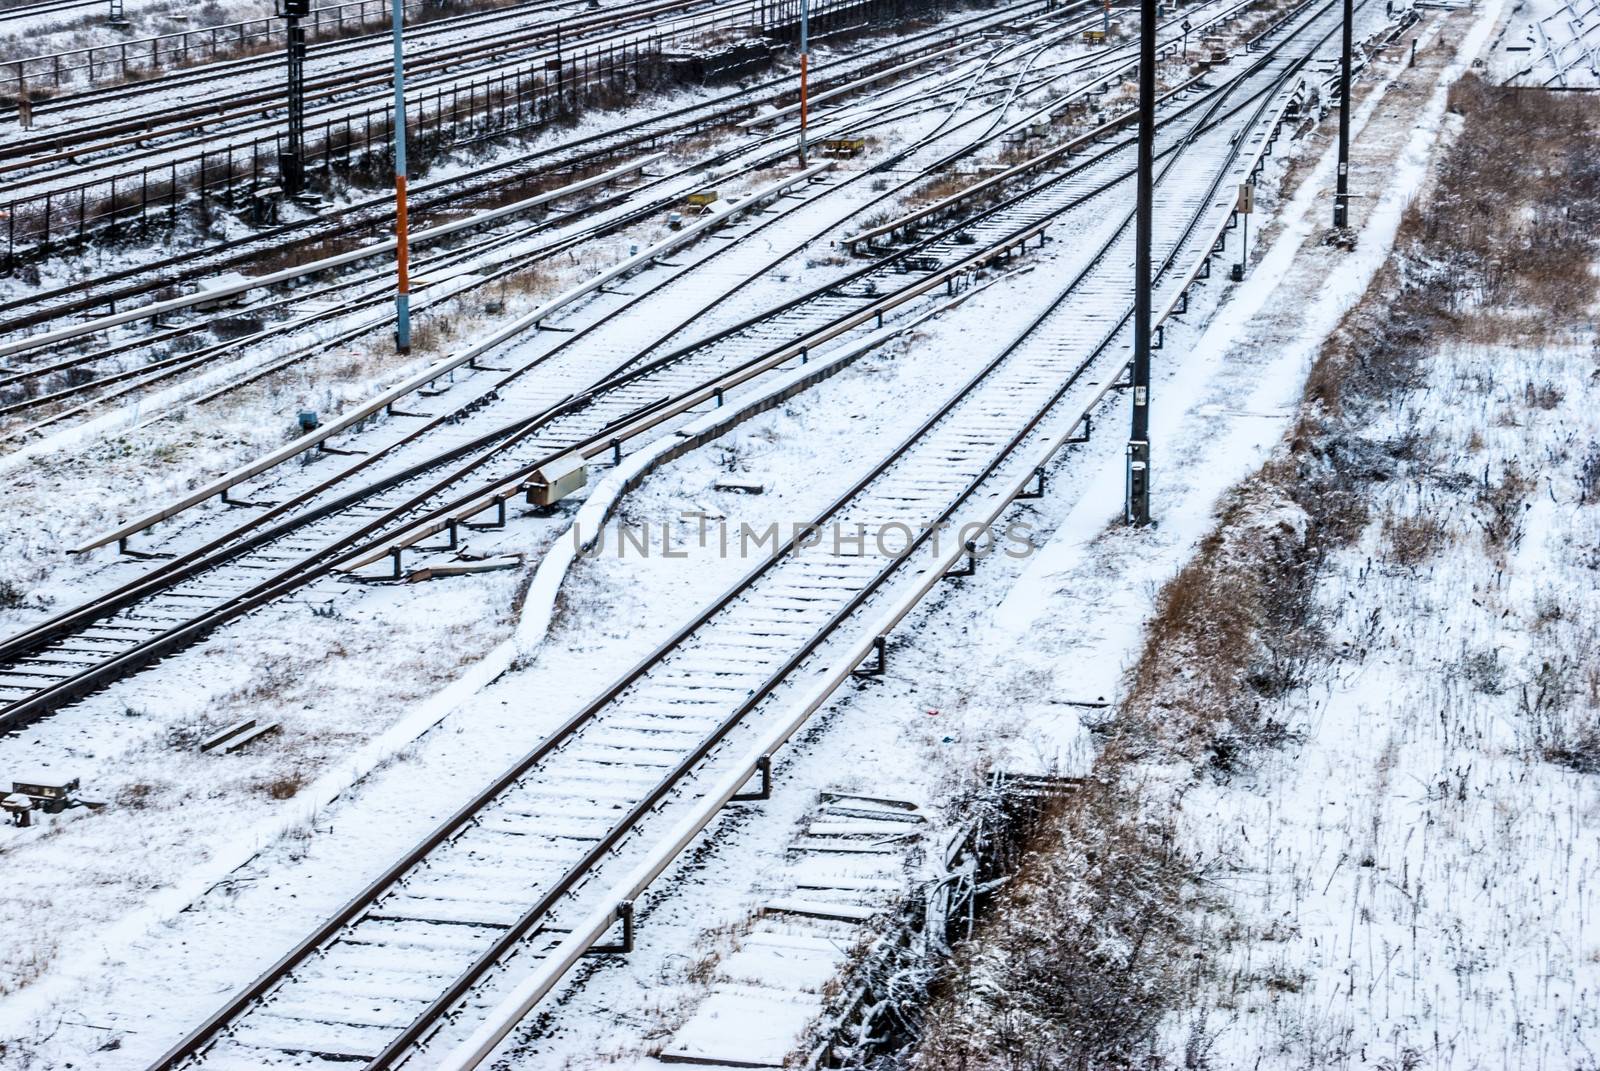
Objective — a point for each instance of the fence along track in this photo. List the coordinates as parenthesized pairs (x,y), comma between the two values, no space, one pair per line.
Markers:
(146,374)
(234,173)
(126,629)
(674,706)
(582,152)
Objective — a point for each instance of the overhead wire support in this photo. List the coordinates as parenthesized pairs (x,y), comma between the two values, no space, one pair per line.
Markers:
(1137,508)
(1341,196)
(402,246)
(292,156)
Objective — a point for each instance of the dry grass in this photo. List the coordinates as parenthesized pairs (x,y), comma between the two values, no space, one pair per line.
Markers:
(1084,951)
(1085,954)
(27,967)
(282,786)
(1410,541)
(1232,631)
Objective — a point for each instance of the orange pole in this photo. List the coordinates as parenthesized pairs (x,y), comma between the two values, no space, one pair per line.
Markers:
(803,58)
(404,250)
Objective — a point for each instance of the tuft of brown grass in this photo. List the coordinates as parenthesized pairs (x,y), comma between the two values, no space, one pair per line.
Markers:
(282,786)
(1410,541)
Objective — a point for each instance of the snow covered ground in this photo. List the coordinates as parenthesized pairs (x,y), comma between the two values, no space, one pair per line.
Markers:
(189,812)
(987,676)
(1438,910)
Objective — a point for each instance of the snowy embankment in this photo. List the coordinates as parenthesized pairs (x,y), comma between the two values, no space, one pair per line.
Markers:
(1409,880)
(1343,812)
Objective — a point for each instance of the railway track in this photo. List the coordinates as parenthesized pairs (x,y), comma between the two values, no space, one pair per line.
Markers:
(119,288)
(49,7)
(862,120)
(350,65)
(857,118)
(1568,39)
(590,799)
(548,394)
(402,501)
(55,76)
(71,184)
(150,132)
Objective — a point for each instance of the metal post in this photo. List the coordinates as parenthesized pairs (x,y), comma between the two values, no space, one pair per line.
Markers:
(1138,484)
(291,157)
(1341,196)
(805,59)
(402,297)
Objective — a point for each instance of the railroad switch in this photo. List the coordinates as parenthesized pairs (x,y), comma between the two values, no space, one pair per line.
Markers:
(51,797)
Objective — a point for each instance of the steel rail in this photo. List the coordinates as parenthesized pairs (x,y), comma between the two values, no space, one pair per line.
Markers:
(422,237)
(23,11)
(667,408)
(585,934)
(476,351)
(176,637)
(638,136)
(320,18)
(384,246)
(141,377)
(70,145)
(613,30)
(515,934)
(213,554)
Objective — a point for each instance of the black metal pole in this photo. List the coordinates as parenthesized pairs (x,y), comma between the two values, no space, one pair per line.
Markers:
(1138,486)
(1341,196)
(292,160)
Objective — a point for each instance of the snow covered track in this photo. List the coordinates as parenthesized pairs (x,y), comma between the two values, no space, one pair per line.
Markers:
(83,176)
(42,219)
(128,60)
(661,192)
(414,960)
(465,466)
(1566,47)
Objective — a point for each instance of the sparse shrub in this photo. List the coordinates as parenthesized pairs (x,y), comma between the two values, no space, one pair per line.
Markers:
(136,796)
(1413,540)
(1589,477)
(1484,671)
(1084,953)
(1542,395)
(1235,627)
(283,786)
(1503,505)
(1580,752)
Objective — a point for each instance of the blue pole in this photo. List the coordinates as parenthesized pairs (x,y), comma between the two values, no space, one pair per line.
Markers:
(805,58)
(402,298)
